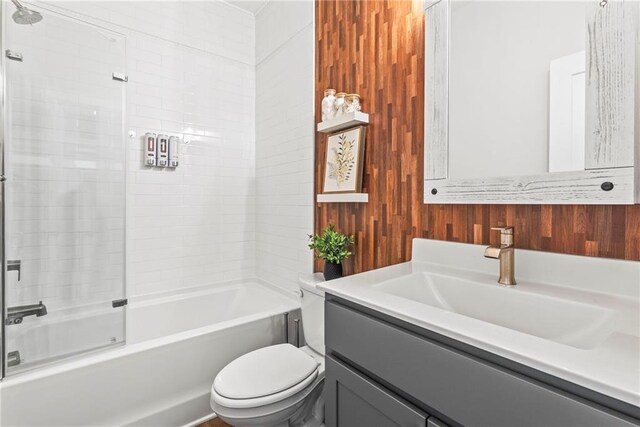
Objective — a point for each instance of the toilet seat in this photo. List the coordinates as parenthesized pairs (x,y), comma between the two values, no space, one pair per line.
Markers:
(264,376)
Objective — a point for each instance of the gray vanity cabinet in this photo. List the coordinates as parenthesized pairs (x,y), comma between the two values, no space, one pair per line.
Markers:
(359,402)
(381,374)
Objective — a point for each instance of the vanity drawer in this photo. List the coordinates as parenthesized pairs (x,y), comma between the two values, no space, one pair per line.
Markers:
(466,389)
(353,400)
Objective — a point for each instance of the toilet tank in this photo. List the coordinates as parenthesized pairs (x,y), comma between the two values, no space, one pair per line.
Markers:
(313,311)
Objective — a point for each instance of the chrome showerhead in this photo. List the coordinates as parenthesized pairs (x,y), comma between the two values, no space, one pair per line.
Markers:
(24,15)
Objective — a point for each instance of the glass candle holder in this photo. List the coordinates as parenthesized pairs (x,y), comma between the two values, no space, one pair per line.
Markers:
(328,104)
(340,103)
(352,103)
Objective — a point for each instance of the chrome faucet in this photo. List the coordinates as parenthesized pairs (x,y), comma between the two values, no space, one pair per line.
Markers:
(505,253)
(15,315)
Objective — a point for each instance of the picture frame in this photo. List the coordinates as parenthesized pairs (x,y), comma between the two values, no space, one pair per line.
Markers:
(344,161)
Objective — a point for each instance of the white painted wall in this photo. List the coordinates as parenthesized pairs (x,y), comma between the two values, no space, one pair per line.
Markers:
(284,140)
(498,112)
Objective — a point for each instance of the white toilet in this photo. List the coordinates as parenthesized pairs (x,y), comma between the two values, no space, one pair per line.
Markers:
(279,385)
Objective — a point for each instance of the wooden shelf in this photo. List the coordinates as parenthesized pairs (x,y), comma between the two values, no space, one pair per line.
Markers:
(344,121)
(343,198)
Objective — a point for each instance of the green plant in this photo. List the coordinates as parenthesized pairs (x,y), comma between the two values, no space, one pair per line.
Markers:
(331,246)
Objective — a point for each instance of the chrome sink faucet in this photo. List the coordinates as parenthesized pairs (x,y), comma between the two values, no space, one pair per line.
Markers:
(505,253)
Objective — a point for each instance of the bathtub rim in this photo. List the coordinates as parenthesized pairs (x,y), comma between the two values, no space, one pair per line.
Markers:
(179,294)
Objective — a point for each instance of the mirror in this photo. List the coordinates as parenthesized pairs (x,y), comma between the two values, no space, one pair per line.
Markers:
(516,86)
(526,100)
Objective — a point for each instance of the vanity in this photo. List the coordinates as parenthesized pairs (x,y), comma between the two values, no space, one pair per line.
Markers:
(525,103)
(438,342)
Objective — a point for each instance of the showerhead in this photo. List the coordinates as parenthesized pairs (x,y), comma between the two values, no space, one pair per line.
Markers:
(24,15)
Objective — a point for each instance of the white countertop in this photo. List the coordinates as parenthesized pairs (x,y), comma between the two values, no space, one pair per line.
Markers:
(611,368)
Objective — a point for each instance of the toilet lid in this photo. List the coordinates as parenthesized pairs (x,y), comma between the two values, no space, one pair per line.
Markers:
(264,372)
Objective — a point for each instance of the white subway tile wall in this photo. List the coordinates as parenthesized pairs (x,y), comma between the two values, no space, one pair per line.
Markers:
(192,74)
(241,202)
(211,26)
(194,225)
(284,140)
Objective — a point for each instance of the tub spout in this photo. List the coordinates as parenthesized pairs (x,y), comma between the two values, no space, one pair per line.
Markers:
(15,315)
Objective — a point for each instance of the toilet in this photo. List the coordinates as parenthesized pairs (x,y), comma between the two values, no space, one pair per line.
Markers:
(279,385)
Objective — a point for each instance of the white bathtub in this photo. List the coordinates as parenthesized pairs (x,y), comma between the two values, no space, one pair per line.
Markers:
(176,344)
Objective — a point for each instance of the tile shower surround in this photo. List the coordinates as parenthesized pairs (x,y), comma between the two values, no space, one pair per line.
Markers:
(196,78)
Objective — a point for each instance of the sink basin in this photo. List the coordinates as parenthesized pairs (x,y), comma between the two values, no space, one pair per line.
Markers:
(575,324)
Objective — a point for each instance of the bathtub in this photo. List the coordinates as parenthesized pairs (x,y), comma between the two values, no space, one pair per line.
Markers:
(176,344)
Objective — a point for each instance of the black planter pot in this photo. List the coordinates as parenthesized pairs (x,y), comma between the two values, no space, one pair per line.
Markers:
(332,271)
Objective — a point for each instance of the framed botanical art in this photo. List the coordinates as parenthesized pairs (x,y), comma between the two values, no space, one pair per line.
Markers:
(344,161)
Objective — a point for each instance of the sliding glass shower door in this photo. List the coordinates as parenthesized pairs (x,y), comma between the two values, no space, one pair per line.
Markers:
(64,193)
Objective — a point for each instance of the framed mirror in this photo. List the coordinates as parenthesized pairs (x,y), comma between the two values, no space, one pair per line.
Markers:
(531,101)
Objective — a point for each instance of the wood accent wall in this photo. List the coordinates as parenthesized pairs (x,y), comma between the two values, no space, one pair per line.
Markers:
(376,49)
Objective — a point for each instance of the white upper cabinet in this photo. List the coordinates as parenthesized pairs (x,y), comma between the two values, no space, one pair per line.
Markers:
(532,102)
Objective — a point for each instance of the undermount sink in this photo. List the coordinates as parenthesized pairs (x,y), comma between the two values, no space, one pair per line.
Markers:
(575,324)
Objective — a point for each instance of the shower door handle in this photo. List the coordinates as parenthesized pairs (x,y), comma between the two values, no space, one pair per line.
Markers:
(15,265)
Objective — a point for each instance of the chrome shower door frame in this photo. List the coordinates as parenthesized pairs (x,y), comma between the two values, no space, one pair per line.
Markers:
(2,192)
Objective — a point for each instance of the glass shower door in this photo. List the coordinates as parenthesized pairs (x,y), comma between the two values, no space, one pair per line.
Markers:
(64,194)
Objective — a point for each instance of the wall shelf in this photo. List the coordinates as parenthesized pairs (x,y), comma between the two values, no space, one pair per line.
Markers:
(343,198)
(344,121)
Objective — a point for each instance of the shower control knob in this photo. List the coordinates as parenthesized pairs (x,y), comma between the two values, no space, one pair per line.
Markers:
(17,321)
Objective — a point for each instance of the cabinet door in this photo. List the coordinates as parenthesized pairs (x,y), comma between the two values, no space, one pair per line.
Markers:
(353,400)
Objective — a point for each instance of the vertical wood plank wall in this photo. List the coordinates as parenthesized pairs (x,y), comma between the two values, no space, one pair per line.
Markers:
(376,49)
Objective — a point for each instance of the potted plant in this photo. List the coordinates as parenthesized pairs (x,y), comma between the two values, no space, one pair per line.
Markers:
(333,247)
